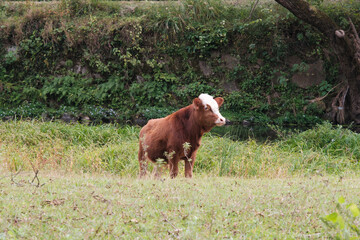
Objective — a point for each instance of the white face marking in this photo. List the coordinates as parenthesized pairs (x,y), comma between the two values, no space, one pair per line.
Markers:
(206,99)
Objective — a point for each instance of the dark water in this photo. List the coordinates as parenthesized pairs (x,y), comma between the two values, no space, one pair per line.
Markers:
(240,132)
(260,133)
(263,133)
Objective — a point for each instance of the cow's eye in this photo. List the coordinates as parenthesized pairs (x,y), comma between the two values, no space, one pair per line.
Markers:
(206,108)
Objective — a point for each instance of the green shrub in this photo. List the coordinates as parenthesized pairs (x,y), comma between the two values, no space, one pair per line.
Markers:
(334,141)
(31,110)
(69,90)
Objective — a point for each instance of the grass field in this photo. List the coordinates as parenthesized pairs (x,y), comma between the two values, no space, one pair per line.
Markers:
(86,206)
(87,186)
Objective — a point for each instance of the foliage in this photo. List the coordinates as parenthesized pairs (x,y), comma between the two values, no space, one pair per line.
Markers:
(345,220)
(87,114)
(130,58)
(69,90)
(203,41)
(24,111)
(112,92)
(155,112)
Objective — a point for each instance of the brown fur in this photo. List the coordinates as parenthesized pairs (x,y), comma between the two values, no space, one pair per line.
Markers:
(163,138)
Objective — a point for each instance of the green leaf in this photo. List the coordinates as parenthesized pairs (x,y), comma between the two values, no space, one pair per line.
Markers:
(354,209)
(341,200)
(332,217)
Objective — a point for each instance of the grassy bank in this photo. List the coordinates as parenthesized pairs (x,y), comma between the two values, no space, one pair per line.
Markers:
(84,206)
(79,148)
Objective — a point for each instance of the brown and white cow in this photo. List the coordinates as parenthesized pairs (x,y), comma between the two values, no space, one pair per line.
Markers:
(178,136)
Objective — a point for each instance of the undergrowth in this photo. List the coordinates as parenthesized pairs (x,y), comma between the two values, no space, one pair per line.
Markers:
(139,57)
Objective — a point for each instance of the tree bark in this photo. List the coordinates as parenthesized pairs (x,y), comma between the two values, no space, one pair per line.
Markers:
(347,51)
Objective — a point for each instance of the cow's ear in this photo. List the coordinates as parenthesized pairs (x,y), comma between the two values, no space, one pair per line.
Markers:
(197,103)
(219,101)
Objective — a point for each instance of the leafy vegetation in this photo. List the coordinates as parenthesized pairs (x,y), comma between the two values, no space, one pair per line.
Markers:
(344,220)
(135,58)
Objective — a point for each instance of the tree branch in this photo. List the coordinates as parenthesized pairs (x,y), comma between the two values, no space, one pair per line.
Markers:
(310,14)
(347,51)
(354,30)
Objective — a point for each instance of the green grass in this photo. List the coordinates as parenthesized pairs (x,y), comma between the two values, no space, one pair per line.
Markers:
(93,206)
(54,145)
(88,186)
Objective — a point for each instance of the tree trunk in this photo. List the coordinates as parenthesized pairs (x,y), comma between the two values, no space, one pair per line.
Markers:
(347,49)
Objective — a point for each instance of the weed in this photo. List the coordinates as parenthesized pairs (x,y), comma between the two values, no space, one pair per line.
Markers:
(344,222)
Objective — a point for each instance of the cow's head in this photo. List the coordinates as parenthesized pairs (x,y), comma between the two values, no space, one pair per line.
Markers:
(207,109)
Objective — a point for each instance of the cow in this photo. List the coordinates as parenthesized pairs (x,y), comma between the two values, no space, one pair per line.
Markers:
(178,136)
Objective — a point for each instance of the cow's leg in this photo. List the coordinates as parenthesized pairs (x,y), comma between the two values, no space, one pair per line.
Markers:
(189,165)
(174,168)
(143,168)
(158,168)
(188,168)
(173,161)
(142,161)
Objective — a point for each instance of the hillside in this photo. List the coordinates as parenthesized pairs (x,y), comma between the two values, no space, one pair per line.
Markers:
(129,61)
